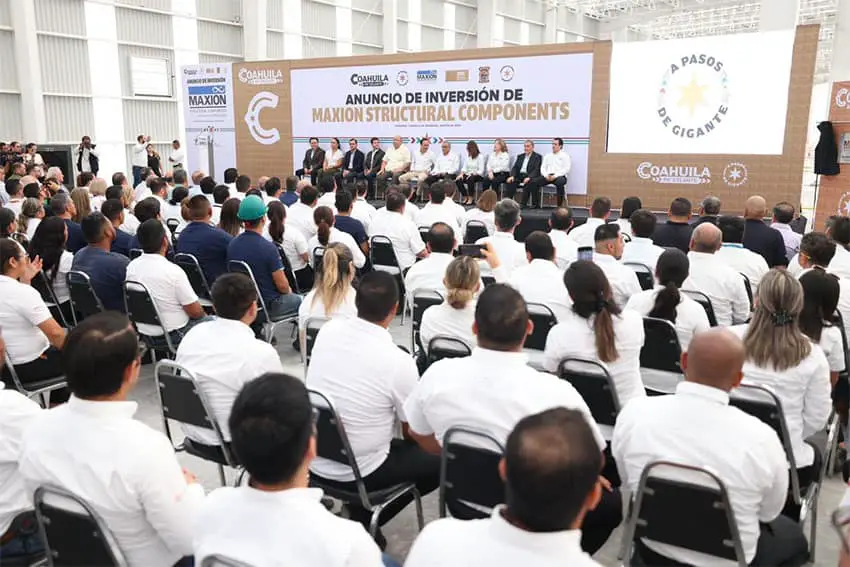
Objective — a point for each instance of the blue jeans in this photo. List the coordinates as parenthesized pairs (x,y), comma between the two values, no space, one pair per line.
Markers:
(389,561)
(137,175)
(27,541)
(283,306)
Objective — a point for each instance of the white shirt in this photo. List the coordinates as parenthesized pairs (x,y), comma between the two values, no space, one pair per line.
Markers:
(626,227)
(477,214)
(85,158)
(15,205)
(698,427)
(642,251)
(458,210)
(315,307)
(169,287)
(124,469)
(623,279)
(177,157)
(328,200)
(499,162)
(142,191)
(489,391)
(790,238)
(445,320)
(300,216)
(557,164)
(131,223)
(804,391)
(60,282)
(840,263)
(344,238)
(32,224)
(401,231)
(223,355)
(745,261)
(723,286)
(21,312)
(363,212)
(334,158)
(584,234)
(541,281)
(495,542)
(428,274)
(367,377)
(573,336)
(140,155)
(423,162)
(294,245)
(474,165)
(447,163)
(432,213)
(396,158)
(832,344)
(566,249)
(511,253)
(290,527)
(16,413)
(690,315)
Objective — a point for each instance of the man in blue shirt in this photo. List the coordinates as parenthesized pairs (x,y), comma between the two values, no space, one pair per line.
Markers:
(63,207)
(344,202)
(107,270)
(113,210)
(264,260)
(290,196)
(203,241)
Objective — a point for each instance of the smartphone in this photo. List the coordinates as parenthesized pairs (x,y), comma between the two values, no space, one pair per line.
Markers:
(473,250)
(585,253)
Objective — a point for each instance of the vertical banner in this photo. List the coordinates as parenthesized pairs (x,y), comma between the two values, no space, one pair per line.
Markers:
(208,110)
(834,190)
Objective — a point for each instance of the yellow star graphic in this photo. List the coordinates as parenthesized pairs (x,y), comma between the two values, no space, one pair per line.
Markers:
(692,95)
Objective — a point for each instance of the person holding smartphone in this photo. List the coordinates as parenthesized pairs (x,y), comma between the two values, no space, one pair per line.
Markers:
(88,157)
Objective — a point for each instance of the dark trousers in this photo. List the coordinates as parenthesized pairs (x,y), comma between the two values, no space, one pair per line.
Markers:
(600,522)
(45,367)
(370,181)
(560,184)
(466,185)
(314,174)
(531,186)
(439,177)
(346,177)
(406,462)
(806,476)
(496,182)
(137,174)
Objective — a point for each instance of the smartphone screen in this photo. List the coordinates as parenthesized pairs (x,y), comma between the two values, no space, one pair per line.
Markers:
(585,253)
(473,250)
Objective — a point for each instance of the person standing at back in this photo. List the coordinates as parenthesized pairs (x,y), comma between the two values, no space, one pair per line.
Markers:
(676,232)
(761,238)
(583,235)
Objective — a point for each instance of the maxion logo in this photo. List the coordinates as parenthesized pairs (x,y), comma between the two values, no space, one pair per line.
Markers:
(261,100)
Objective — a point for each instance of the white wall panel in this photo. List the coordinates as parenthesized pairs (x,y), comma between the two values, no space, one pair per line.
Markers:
(10,117)
(367,28)
(512,31)
(68,118)
(316,47)
(536,34)
(432,13)
(376,6)
(216,58)
(401,31)
(60,16)
(318,18)
(402,10)
(275,44)
(465,41)
(534,11)
(274,14)
(164,5)
(223,10)
(9,76)
(64,65)
(157,118)
(221,38)
(5,14)
(465,18)
(149,28)
(357,49)
(432,39)
(125,52)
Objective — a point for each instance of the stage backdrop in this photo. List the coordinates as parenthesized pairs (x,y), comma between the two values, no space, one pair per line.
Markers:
(834,190)
(208,110)
(456,101)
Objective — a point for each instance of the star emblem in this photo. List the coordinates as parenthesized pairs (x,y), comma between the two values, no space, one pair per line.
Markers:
(692,95)
(735,174)
(847,208)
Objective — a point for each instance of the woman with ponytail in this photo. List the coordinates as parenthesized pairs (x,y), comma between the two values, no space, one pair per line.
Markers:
(292,242)
(665,301)
(327,234)
(332,295)
(598,330)
(454,317)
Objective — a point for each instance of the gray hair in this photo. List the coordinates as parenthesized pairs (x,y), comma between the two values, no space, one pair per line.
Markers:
(506,214)
(711,205)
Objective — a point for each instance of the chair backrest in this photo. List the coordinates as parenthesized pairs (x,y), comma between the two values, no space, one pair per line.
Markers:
(221,561)
(703,300)
(43,287)
(382,253)
(424,233)
(475,230)
(645,277)
(422,300)
(73,532)
(593,382)
(135,253)
(749,287)
(441,347)
(318,256)
(196,276)
(172,224)
(470,485)
(311,329)
(240,267)
(287,269)
(544,319)
(140,306)
(661,349)
(84,300)
(839,321)
(488,280)
(665,505)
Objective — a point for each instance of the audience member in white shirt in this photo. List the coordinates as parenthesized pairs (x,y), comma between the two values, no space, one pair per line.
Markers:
(32,212)
(583,234)
(223,355)
(327,187)
(566,249)
(411,211)
(356,365)
(597,329)
(293,242)
(482,212)
(783,214)
(450,203)
(551,469)
(272,190)
(91,446)
(817,320)
(446,166)
(838,229)
(434,211)
(327,234)
(817,252)
(428,274)
(733,254)
(556,167)
(362,210)
(471,173)
(276,518)
(698,427)
(142,189)
(607,254)
(511,252)
(541,281)
(50,245)
(404,235)
(723,286)
(629,206)
(300,214)
(783,359)
(421,165)
(332,295)
(495,388)
(498,166)
(640,249)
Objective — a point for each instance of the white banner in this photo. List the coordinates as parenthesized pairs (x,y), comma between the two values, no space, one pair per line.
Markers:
(208,109)
(515,98)
(706,95)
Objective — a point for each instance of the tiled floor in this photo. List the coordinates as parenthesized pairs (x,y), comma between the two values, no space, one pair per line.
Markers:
(401,531)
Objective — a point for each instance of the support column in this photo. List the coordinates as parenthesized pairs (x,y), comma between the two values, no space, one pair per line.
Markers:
(779,15)
(28,67)
(390,26)
(254,30)
(552,19)
(414,28)
(840,69)
(344,31)
(486,29)
(185,31)
(448,26)
(293,40)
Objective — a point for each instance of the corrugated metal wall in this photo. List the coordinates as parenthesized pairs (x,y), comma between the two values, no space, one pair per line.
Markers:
(64,65)
(147,28)
(367,28)
(432,39)
(221,10)
(157,118)
(61,16)
(69,118)
(432,14)
(274,14)
(219,37)
(275,44)
(318,47)
(10,117)
(163,5)
(318,19)
(9,76)
(358,49)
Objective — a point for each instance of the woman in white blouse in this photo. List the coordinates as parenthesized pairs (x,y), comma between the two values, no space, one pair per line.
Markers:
(630,205)
(327,234)
(32,211)
(783,359)
(817,321)
(332,294)
(98,192)
(498,166)
(483,212)
(598,331)
(454,317)
(333,158)
(49,243)
(471,173)
(293,243)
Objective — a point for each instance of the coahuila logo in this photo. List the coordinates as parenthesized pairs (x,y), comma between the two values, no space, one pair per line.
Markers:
(693,98)
(841,100)
(735,174)
(844,205)
(373,80)
(676,174)
(261,100)
(260,76)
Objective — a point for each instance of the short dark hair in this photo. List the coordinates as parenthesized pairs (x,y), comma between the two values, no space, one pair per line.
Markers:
(118,178)
(840,231)
(291,184)
(343,200)
(147,208)
(150,235)
(178,194)
(59,203)
(112,209)
(441,238)
(271,424)
(243,183)
(232,295)
(607,231)
(501,317)
(783,212)
(732,228)
(197,208)
(157,184)
(230,175)
(630,205)
(32,190)
(643,223)
(373,138)
(680,207)
(114,192)
(13,186)
(552,464)
(506,214)
(540,246)
(97,352)
(84,178)
(600,207)
(313,138)
(326,183)
(561,218)
(179,177)
(818,248)
(377,296)
(309,194)
(220,194)
(560,142)
(94,227)
(272,186)
(395,201)
(438,193)
(207,185)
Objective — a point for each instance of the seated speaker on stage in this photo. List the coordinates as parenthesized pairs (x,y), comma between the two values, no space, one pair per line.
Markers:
(446,166)
(352,164)
(333,161)
(312,163)
(372,164)
(472,172)
(555,169)
(525,174)
(498,166)
(395,163)
(421,166)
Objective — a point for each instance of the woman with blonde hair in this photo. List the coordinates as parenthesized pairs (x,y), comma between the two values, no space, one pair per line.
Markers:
(82,202)
(483,211)
(98,193)
(32,211)
(783,359)
(498,166)
(131,223)
(454,317)
(332,295)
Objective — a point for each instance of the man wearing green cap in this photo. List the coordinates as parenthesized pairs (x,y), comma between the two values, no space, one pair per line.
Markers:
(264,259)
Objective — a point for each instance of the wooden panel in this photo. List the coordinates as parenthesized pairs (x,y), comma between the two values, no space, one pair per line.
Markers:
(834,191)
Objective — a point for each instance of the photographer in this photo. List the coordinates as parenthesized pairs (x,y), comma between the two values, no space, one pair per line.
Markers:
(87,157)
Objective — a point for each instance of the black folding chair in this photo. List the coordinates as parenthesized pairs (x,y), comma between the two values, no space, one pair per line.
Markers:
(332,444)
(424,233)
(470,485)
(172,224)
(141,309)
(441,347)
(45,289)
(834,432)
(749,287)
(703,300)
(135,253)
(475,231)
(309,333)
(383,257)
(544,319)
(270,325)
(645,277)
(595,385)
(488,280)
(216,560)
(40,389)
(661,350)
(73,533)
(197,279)
(84,300)
(665,507)
(288,271)
(181,399)
(318,256)
(422,300)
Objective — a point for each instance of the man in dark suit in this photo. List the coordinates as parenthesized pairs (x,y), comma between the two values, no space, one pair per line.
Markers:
(314,159)
(526,174)
(676,232)
(372,165)
(709,211)
(352,164)
(759,237)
